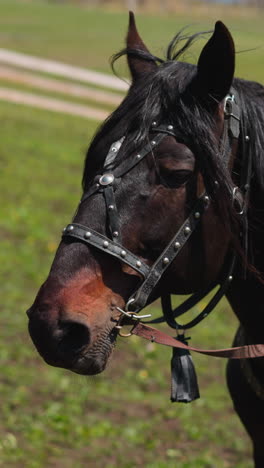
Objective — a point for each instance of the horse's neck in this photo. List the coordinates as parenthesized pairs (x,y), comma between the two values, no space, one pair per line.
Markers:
(246,293)
(246,297)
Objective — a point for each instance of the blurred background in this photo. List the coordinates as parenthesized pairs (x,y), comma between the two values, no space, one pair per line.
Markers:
(56,86)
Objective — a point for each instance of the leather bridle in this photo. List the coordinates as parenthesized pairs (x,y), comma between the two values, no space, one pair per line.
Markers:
(107,183)
(184,386)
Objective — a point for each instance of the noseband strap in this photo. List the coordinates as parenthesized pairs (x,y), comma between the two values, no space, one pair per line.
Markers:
(103,243)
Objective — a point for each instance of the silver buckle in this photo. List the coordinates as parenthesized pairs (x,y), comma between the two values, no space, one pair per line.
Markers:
(228,106)
(130,315)
(235,198)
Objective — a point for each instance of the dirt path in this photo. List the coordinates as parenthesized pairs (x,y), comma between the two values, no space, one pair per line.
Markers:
(17,76)
(61,69)
(51,104)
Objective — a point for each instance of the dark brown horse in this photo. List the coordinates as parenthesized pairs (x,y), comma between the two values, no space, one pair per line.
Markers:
(173,191)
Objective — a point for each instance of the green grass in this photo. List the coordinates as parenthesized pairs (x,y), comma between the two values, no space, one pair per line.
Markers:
(88,37)
(122,418)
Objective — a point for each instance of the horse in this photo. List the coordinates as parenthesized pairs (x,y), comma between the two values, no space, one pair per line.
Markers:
(173,193)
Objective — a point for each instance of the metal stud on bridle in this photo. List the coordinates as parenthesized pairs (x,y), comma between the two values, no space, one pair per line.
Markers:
(106,179)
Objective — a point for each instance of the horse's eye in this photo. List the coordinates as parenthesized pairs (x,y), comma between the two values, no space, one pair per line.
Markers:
(174,178)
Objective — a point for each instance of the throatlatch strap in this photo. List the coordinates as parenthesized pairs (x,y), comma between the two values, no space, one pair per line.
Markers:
(170,314)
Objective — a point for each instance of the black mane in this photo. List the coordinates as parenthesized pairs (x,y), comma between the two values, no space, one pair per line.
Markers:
(168,96)
(151,99)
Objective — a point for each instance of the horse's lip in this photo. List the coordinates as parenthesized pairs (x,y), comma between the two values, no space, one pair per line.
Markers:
(87,366)
(92,363)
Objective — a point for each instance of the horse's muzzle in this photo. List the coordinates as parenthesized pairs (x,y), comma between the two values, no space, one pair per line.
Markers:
(60,343)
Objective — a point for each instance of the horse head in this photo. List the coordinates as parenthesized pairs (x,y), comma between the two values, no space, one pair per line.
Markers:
(148,166)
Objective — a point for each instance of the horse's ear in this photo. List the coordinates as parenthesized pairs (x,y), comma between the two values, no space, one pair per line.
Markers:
(216,64)
(138,66)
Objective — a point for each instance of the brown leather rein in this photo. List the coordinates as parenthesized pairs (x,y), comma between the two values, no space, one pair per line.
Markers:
(157,336)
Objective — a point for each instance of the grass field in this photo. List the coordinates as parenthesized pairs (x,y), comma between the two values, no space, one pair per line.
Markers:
(88,37)
(122,418)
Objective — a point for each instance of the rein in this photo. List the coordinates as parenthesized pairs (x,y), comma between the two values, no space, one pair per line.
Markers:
(157,336)
(184,384)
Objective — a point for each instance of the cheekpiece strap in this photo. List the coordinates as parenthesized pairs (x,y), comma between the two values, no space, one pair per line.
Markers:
(112,214)
(169,254)
(232,114)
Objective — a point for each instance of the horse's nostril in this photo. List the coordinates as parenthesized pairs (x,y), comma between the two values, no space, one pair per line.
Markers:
(73,335)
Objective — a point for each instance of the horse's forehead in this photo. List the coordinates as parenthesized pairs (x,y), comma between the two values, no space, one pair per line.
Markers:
(170,146)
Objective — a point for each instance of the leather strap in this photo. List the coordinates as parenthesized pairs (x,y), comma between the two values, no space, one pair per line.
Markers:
(170,315)
(169,254)
(127,165)
(137,158)
(113,220)
(94,238)
(157,336)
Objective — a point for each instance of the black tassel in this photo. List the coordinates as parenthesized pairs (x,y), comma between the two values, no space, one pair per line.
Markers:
(184,385)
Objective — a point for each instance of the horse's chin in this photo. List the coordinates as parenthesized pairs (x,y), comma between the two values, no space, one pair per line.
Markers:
(94,360)
(89,366)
